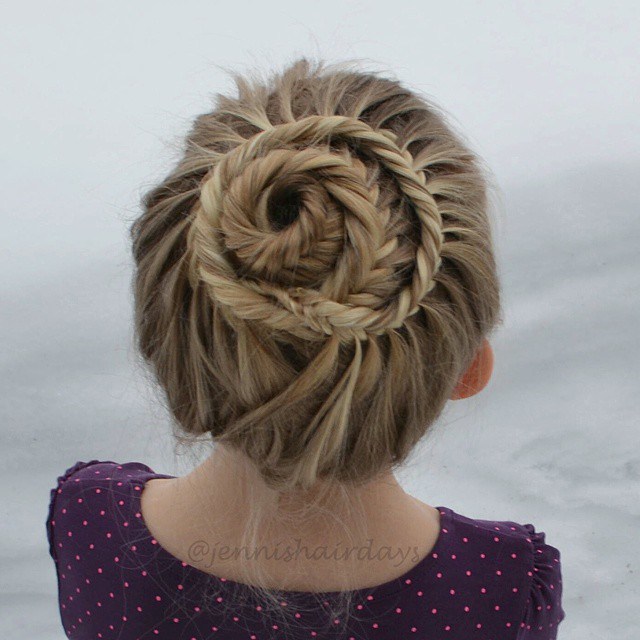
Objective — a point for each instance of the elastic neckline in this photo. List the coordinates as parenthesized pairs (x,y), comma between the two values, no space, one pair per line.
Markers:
(382,590)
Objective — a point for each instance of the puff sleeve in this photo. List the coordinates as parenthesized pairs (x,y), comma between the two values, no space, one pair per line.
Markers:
(58,495)
(543,610)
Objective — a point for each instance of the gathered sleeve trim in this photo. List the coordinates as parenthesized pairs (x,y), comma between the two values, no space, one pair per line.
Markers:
(543,610)
(54,499)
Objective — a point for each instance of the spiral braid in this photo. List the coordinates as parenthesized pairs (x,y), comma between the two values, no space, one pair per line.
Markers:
(232,215)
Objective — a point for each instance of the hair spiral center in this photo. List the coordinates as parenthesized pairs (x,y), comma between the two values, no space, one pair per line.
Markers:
(288,233)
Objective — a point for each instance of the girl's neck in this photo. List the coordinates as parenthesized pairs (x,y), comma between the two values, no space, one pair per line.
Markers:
(216,500)
(226,478)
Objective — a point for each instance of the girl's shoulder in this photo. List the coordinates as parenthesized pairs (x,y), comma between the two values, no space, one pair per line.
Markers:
(88,490)
(518,553)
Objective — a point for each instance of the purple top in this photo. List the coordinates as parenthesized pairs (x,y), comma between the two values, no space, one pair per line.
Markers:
(483,580)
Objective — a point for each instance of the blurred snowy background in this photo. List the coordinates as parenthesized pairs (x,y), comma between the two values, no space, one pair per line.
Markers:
(96,94)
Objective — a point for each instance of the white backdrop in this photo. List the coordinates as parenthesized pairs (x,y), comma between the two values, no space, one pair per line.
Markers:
(95,98)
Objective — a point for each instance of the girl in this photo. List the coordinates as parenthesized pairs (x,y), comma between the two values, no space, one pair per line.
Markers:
(314,280)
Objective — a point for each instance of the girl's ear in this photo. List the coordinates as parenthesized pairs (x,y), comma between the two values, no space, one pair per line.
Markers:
(478,374)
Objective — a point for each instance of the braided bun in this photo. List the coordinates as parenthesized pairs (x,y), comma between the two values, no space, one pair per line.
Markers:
(315,274)
(337,212)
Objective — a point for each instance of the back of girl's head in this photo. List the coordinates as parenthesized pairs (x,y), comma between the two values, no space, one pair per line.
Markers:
(316,273)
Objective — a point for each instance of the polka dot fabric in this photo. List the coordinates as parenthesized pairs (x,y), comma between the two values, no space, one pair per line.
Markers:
(483,580)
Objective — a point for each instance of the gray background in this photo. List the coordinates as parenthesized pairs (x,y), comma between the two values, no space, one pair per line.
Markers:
(96,96)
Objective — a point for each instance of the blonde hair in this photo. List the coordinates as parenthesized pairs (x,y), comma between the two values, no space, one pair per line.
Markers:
(316,273)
